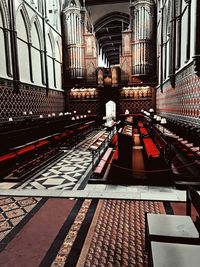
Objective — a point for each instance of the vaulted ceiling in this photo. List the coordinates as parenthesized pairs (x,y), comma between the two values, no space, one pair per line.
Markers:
(100,2)
(109,18)
(108,32)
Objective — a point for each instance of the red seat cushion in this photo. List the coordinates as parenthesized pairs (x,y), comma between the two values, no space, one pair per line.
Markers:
(140,124)
(57,137)
(114,139)
(98,170)
(151,148)
(7,157)
(107,154)
(42,143)
(115,155)
(65,134)
(26,150)
(143,131)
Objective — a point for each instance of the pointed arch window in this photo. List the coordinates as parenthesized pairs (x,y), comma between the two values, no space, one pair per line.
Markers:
(23,27)
(37,51)
(72,3)
(5,54)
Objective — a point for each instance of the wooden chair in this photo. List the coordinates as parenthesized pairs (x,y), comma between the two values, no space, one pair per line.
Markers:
(175,228)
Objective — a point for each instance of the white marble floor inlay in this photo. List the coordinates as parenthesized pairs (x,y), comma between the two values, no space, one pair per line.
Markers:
(64,174)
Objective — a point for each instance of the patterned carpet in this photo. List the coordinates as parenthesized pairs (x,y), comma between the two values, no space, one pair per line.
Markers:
(84,232)
(117,234)
(12,211)
(107,233)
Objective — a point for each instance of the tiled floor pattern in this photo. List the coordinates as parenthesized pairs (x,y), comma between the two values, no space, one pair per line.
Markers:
(67,172)
(63,179)
(13,210)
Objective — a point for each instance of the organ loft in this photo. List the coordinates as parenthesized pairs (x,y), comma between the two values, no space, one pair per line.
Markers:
(99,133)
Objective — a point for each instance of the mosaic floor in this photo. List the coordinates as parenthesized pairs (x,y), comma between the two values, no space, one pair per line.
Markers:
(62,232)
(13,210)
(65,174)
(82,233)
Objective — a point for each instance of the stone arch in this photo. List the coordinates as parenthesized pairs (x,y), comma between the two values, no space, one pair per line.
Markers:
(27,22)
(4,14)
(58,47)
(52,41)
(36,21)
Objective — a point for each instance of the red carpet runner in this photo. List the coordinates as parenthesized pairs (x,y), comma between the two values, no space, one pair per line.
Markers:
(30,245)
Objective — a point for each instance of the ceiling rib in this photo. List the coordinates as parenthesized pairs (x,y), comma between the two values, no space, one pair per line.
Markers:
(108,31)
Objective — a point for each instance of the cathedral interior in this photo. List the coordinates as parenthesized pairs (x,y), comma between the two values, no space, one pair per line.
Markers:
(99,133)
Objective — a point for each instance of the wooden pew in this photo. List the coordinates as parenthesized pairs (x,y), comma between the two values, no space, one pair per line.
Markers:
(150,147)
(7,161)
(99,170)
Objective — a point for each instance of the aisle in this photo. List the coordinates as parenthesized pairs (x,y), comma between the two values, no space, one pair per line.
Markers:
(137,158)
(65,173)
(29,242)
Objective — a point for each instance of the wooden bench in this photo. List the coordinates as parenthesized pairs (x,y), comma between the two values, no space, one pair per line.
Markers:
(98,172)
(7,162)
(98,141)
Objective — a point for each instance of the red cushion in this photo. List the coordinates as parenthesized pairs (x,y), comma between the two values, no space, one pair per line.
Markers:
(66,134)
(42,143)
(107,154)
(143,131)
(57,137)
(26,149)
(98,170)
(72,132)
(151,148)
(114,139)
(101,164)
(140,124)
(7,157)
(115,155)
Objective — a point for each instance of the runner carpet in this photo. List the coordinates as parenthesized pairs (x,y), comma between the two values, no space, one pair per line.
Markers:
(63,232)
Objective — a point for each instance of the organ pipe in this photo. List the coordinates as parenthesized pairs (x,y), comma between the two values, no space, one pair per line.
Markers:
(74,40)
(143,18)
